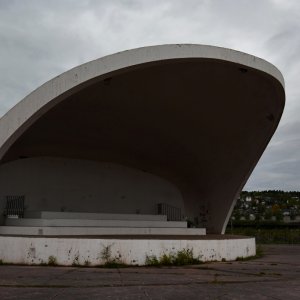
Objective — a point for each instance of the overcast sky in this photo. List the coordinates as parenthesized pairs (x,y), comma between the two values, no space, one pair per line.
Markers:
(41,39)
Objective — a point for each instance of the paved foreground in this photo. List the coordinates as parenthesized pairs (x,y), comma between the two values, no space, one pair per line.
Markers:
(275,276)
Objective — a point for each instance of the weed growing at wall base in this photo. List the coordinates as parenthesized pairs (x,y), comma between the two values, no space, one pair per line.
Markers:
(52,261)
(180,258)
(109,261)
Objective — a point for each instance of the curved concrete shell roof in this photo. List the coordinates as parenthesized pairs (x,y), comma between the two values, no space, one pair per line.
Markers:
(198,116)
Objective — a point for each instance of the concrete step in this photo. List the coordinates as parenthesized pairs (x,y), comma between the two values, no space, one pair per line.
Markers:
(91,216)
(98,231)
(93,223)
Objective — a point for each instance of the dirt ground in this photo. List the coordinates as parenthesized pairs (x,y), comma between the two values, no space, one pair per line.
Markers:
(274,276)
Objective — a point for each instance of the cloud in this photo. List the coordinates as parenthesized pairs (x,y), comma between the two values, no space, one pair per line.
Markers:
(280,164)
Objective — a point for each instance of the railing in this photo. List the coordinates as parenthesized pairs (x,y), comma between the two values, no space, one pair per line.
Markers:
(14,206)
(172,213)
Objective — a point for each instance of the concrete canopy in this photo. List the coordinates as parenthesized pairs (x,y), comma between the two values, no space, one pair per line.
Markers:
(198,116)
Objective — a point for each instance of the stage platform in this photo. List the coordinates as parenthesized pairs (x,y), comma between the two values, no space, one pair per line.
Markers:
(83,223)
(51,223)
(80,238)
(98,231)
(91,216)
(93,223)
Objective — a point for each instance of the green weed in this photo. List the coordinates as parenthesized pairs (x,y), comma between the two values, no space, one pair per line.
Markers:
(182,257)
(109,261)
(52,261)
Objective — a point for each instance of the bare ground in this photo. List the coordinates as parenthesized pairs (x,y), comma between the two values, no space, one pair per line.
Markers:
(274,276)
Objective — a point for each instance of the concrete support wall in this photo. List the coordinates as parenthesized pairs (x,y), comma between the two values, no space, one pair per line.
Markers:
(58,184)
(68,251)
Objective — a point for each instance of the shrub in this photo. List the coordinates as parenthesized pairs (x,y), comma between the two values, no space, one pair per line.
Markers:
(185,257)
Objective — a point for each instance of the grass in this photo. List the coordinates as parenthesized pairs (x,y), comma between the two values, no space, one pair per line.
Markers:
(52,261)
(87,263)
(182,257)
(259,251)
(109,261)
(75,262)
(270,235)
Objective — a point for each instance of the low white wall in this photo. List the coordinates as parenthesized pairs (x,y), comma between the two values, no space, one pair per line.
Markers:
(67,251)
(59,184)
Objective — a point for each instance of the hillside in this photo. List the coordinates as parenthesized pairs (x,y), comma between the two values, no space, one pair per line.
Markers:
(271,205)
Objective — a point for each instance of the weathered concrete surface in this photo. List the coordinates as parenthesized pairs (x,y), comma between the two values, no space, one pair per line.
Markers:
(99,231)
(94,223)
(275,276)
(131,250)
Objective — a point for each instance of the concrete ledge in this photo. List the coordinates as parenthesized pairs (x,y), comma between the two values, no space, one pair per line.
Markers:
(68,251)
(98,231)
(91,216)
(94,223)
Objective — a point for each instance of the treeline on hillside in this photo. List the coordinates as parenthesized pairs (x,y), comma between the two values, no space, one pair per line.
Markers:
(265,206)
(272,216)
(276,194)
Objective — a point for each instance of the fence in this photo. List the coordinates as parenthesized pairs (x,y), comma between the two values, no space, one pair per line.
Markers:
(14,206)
(172,213)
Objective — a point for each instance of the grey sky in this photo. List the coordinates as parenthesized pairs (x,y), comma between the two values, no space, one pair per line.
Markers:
(41,39)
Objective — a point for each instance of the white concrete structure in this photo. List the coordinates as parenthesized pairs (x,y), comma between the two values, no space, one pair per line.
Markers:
(172,129)
(83,251)
(102,231)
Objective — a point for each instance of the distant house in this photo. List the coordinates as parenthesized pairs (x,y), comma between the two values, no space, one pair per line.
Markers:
(251,217)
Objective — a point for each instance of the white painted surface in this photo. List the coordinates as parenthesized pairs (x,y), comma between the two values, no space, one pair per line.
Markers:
(31,250)
(57,184)
(85,231)
(91,216)
(94,223)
